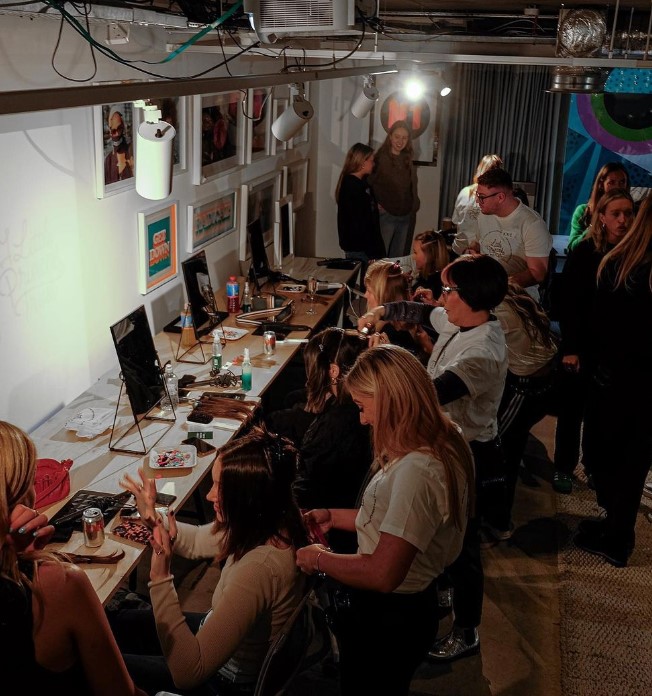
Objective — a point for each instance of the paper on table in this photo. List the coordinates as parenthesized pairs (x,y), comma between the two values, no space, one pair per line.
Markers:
(90,422)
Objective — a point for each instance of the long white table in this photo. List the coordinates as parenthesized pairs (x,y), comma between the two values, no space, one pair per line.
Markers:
(97,468)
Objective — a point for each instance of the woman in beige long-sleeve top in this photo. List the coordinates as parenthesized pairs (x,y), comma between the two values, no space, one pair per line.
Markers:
(256,532)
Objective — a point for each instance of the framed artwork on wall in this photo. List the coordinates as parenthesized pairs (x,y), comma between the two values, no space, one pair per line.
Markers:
(278,107)
(259,123)
(257,200)
(419,115)
(212,218)
(174,110)
(157,240)
(295,181)
(115,165)
(219,131)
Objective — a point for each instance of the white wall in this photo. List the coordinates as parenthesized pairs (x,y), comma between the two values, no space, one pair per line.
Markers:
(69,261)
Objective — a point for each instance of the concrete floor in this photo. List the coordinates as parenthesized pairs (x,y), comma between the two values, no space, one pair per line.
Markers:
(519,634)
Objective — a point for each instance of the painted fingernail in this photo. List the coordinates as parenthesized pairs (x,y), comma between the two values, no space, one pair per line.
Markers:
(35,534)
(21,530)
(11,530)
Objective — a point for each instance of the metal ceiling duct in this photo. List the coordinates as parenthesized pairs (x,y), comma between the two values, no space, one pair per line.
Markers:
(580,34)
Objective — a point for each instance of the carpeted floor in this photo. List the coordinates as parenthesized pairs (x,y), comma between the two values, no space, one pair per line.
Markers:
(606,612)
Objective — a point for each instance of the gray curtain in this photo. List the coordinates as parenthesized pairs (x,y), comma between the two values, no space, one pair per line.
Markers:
(504,109)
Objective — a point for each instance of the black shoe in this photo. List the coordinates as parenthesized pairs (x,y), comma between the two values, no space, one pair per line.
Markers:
(598,545)
(593,526)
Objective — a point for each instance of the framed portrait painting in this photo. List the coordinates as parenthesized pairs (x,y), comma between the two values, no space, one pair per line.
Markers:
(219,131)
(157,238)
(115,164)
(295,181)
(259,120)
(212,218)
(174,110)
(420,116)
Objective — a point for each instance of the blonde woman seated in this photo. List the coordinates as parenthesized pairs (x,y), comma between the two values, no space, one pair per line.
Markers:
(429,257)
(386,282)
(55,636)
(257,530)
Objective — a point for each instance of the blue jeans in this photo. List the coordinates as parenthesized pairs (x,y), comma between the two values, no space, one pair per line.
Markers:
(394,230)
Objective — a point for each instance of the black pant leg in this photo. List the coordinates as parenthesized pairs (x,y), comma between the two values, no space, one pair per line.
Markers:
(467,579)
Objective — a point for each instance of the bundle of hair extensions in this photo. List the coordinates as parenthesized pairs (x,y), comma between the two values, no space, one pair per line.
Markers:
(217,406)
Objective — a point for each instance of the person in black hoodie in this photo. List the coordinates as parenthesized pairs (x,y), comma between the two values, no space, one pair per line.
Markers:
(358,226)
(335,448)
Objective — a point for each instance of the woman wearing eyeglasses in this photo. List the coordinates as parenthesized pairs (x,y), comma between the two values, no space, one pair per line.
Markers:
(468,365)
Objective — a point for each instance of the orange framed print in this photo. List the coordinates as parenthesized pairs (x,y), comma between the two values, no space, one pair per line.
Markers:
(158,238)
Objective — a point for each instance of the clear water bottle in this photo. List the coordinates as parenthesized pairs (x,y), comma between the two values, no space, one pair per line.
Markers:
(170,400)
(246,298)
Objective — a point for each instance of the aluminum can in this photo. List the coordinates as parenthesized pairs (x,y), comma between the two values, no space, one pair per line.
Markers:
(93,526)
(269,343)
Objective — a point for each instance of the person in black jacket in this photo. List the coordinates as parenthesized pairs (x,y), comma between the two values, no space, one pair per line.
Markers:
(358,226)
(335,448)
(611,220)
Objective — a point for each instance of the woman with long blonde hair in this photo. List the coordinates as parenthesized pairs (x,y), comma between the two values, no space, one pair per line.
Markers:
(386,282)
(611,219)
(410,524)
(616,424)
(55,635)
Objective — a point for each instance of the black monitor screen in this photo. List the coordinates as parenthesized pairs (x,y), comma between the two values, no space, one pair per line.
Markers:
(138,360)
(259,263)
(203,306)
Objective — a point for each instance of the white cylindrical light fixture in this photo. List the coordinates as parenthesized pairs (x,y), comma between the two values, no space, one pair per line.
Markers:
(154,142)
(290,122)
(364,101)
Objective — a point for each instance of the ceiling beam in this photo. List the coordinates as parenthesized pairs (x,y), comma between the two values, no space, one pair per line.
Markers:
(24,101)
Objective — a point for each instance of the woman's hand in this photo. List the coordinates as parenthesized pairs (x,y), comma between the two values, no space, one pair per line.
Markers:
(377,339)
(424,295)
(308,557)
(369,319)
(162,542)
(29,530)
(144,491)
(320,518)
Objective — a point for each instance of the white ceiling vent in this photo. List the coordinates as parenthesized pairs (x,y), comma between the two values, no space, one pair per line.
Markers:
(274,19)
